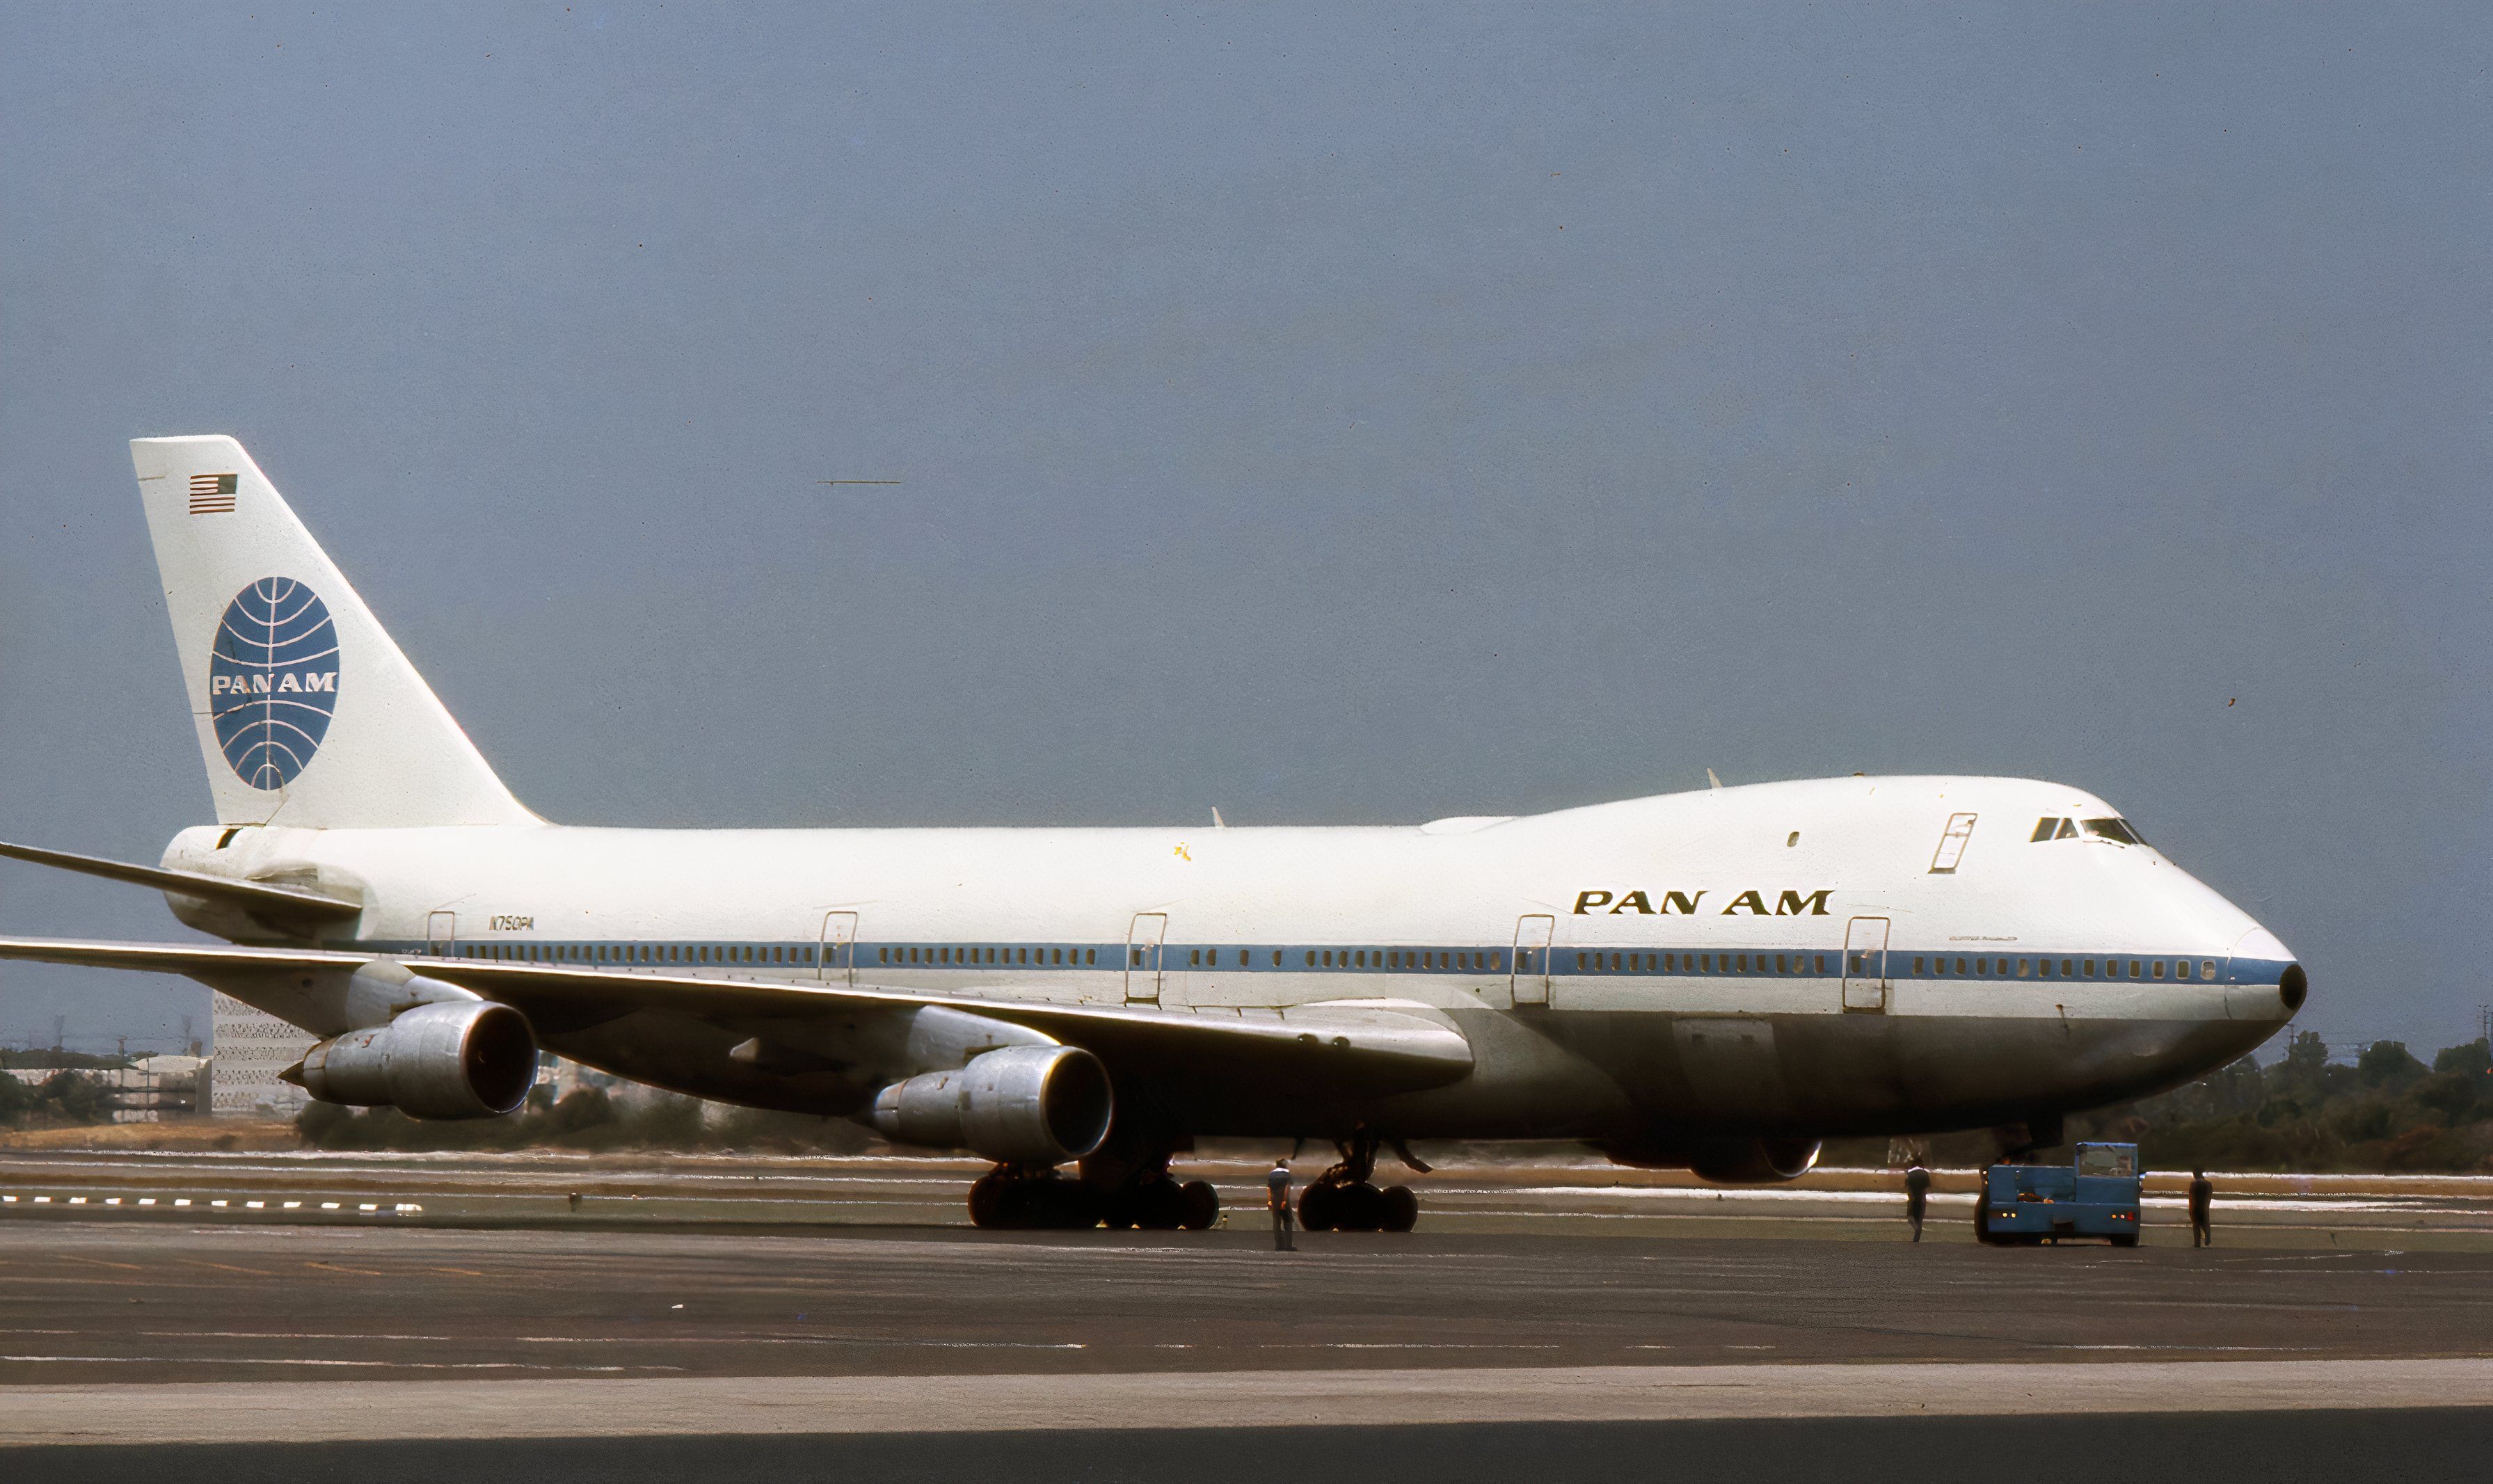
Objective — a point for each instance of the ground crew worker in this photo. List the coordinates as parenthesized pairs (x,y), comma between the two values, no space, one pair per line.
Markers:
(1278,1183)
(2202,1195)
(1917,1196)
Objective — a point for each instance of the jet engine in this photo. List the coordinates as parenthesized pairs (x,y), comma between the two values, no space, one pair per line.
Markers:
(463,1059)
(1023,1104)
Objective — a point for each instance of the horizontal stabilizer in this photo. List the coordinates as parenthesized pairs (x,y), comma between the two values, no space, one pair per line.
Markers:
(251,895)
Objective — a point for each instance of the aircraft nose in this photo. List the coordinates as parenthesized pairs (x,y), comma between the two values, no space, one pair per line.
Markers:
(2268,983)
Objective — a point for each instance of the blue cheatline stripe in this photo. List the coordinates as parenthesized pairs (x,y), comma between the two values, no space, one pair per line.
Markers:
(1588,963)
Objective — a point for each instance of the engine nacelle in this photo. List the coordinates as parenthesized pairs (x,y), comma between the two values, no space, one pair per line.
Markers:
(458,1060)
(1024,1105)
(1725,1161)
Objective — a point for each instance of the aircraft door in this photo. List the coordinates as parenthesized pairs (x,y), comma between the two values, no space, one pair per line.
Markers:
(1143,952)
(837,962)
(1864,965)
(441,932)
(1531,981)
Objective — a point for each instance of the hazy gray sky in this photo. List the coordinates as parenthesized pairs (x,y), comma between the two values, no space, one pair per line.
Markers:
(1336,413)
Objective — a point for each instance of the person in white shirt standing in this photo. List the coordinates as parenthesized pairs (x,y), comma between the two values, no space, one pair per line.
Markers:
(1278,1183)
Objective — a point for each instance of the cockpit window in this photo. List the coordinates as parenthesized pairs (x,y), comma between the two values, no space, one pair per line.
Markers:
(2119,830)
(2043,828)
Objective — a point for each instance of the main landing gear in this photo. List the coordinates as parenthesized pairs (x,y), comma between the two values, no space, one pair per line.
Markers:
(1343,1197)
(1035,1198)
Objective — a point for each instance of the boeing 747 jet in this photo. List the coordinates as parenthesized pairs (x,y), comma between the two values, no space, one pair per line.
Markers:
(1714,980)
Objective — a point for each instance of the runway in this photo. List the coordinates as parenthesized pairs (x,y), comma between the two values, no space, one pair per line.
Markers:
(1581,1195)
(1547,1315)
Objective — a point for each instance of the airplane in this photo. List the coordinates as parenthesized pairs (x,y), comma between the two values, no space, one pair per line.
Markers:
(1717,980)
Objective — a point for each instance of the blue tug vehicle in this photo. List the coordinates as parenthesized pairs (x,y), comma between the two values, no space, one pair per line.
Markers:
(2094,1195)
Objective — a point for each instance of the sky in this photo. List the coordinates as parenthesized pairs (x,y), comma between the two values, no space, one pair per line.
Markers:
(1327,414)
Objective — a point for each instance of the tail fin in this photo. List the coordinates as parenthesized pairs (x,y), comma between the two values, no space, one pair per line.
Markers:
(307,714)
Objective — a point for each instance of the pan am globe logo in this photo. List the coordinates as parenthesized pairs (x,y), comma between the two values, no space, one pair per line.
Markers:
(273,680)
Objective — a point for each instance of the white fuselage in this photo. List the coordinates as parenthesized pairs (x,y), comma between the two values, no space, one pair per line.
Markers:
(1703,960)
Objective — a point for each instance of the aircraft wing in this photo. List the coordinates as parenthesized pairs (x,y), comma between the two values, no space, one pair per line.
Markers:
(1345,1046)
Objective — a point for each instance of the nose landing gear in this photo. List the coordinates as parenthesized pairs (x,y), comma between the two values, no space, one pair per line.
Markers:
(1344,1199)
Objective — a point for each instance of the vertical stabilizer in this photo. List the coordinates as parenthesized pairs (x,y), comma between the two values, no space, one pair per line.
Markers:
(307,714)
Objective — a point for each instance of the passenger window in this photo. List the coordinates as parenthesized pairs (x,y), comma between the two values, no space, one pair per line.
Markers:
(2206,968)
(2133,968)
(1092,954)
(1959,965)
(1982,966)
(1917,966)
(1821,962)
(2026,969)
(1783,964)
(2091,968)
(1744,963)
(1276,958)
(1497,960)
(2159,968)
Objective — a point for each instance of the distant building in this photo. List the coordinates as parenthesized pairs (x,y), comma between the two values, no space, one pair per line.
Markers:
(248,1049)
(149,1090)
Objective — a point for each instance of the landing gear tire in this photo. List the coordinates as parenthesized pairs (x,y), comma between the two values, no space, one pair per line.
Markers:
(1315,1208)
(1199,1204)
(1361,1207)
(1158,1205)
(1355,1205)
(1023,1202)
(986,1201)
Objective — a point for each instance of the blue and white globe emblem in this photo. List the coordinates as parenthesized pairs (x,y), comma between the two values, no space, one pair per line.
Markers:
(273,680)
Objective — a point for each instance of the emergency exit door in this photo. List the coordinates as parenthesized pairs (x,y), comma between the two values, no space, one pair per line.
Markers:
(1864,965)
(441,932)
(1532,934)
(1143,952)
(837,961)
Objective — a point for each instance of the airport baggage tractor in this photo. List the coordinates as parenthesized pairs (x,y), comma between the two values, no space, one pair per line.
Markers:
(2094,1195)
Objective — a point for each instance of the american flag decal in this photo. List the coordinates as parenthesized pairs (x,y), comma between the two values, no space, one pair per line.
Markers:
(211,494)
